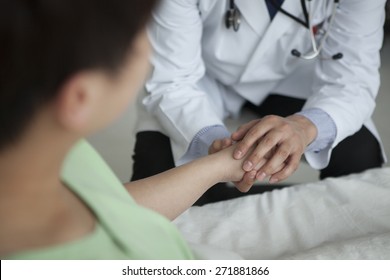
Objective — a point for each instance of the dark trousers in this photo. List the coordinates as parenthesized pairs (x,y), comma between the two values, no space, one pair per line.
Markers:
(361,151)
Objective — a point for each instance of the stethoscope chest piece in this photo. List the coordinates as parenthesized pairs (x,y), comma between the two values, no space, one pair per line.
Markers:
(233,18)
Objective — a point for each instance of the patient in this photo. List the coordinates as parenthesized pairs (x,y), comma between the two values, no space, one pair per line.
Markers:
(67,69)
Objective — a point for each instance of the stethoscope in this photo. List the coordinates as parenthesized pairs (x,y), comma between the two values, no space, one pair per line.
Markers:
(233,19)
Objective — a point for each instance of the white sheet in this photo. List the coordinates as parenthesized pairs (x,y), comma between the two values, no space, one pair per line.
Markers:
(344,218)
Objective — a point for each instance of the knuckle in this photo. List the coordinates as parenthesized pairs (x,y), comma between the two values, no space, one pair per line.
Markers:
(288,171)
(255,157)
(252,133)
(271,118)
(245,144)
(242,146)
(283,153)
(285,173)
(268,169)
(268,142)
(285,127)
(296,159)
(269,154)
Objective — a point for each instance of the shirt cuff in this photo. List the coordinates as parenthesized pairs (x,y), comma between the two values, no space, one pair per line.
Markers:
(326,129)
(201,142)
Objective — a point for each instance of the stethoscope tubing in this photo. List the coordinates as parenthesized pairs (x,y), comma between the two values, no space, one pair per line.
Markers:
(318,48)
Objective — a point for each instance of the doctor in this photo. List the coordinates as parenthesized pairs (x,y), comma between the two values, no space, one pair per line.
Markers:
(308,68)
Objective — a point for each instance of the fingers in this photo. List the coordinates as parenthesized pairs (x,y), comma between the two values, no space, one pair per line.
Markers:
(290,167)
(253,135)
(243,129)
(279,162)
(226,142)
(219,145)
(246,182)
(273,146)
(279,172)
(215,146)
(278,158)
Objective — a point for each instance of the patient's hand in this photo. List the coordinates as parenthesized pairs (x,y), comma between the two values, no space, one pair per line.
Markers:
(246,181)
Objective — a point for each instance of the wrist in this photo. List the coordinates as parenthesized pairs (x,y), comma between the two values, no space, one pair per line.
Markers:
(308,128)
(209,170)
(225,167)
(326,129)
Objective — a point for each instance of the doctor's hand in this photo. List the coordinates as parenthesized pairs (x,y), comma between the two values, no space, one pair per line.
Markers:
(249,178)
(219,145)
(278,145)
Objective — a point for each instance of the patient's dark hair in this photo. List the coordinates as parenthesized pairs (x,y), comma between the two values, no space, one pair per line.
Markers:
(44,42)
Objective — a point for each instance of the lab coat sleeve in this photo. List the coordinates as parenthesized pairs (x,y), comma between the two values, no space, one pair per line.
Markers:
(346,88)
(174,98)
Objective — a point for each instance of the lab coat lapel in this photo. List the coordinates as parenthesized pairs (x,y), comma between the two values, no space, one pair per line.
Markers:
(253,12)
(279,25)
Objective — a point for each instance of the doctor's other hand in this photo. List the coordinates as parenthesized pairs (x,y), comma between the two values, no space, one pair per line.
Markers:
(279,144)
(248,178)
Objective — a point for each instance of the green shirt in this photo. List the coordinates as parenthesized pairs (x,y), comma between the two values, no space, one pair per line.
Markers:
(124,230)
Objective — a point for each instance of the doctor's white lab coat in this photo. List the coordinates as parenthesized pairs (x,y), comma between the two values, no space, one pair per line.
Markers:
(204,72)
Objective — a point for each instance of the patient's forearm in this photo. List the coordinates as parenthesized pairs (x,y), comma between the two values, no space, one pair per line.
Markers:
(172,192)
